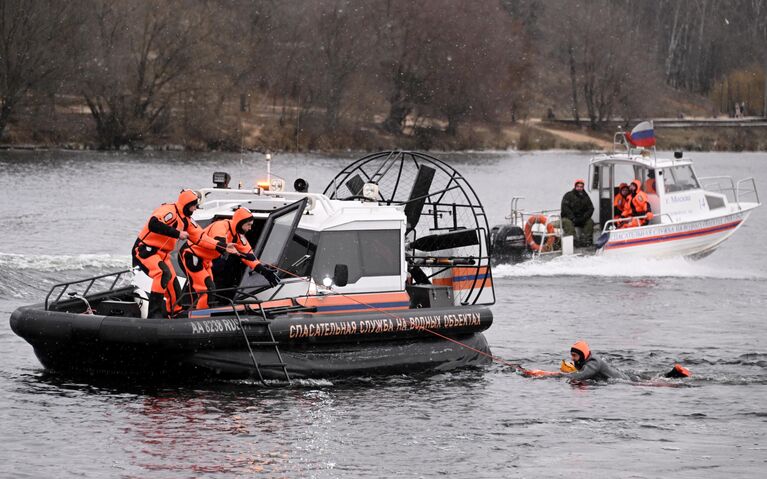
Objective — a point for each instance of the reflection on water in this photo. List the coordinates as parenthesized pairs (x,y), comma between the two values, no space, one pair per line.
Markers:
(76,214)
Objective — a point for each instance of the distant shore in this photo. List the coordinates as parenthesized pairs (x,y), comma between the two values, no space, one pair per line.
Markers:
(695,134)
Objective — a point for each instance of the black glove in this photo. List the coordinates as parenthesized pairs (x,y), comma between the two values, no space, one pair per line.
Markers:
(268,274)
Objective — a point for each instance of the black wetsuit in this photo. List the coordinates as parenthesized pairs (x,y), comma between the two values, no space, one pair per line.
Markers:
(597,369)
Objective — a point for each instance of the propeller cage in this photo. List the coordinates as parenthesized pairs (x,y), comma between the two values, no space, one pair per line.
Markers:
(446,227)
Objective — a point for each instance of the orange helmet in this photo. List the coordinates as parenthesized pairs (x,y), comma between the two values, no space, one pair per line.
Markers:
(240,217)
(186,199)
(582,349)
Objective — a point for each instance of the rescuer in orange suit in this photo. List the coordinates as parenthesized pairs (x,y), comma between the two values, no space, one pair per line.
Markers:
(197,259)
(649,184)
(151,251)
(639,206)
(622,202)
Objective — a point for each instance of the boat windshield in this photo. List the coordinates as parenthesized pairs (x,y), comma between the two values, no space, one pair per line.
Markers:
(278,236)
(299,253)
(680,178)
(365,252)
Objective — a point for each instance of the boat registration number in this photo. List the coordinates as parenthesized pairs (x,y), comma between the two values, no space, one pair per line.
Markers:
(214,326)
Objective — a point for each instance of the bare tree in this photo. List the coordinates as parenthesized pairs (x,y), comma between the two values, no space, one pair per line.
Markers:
(343,49)
(34,40)
(476,57)
(405,79)
(606,60)
(139,53)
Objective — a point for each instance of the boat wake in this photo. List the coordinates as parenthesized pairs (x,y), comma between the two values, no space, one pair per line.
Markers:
(45,262)
(27,275)
(623,267)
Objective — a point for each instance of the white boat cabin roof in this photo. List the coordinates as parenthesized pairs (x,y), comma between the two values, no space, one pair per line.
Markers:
(321,213)
(647,160)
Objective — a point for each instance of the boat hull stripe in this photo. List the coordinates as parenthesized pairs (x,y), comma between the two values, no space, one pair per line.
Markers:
(357,306)
(673,236)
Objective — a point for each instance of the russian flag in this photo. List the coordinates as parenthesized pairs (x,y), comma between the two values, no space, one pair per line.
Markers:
(642,135)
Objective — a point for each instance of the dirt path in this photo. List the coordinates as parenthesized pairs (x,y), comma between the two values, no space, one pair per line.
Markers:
(578,137)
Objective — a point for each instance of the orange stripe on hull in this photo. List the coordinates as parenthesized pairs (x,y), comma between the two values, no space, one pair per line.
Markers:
(466,278)
(357,302)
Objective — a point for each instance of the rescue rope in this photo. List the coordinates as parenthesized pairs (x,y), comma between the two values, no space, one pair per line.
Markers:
(493,357)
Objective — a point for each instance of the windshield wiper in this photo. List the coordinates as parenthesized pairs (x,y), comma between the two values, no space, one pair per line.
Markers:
(301,260)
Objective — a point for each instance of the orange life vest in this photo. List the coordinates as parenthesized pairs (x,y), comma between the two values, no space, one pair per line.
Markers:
(639,205)
(649,185)
(622,204)
(171,214)
(224,232)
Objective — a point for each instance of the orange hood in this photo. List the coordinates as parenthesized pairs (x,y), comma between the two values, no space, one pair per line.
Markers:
(240,217)
(582,348)
(186,198)
(620,189)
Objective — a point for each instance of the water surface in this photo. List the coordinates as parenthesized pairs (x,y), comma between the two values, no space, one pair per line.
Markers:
(66,215)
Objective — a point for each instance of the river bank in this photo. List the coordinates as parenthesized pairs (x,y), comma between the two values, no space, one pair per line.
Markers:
(74,132)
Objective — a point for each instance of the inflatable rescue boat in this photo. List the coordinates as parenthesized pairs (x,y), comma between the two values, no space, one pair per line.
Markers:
(367,287)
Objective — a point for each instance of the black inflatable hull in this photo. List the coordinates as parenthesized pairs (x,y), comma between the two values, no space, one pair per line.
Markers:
(311,346)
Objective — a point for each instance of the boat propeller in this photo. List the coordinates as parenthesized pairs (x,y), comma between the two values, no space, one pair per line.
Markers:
(453,239)
(446,226)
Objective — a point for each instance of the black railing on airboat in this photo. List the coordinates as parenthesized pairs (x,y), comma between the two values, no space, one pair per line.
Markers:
(91,281)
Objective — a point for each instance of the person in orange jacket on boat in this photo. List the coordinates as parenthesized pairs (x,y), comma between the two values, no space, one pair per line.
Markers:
(640,206)
(157,239)
(197,259)
(649,184)
(622,202)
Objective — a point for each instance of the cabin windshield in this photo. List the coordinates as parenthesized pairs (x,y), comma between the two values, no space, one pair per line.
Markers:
(299,253)
(365,252)
(680,178)
(277,238)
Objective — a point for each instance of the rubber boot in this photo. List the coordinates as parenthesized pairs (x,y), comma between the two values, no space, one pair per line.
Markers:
(156,306)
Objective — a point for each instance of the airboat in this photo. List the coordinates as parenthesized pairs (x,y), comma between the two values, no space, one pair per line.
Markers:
(691,216)
(388,270)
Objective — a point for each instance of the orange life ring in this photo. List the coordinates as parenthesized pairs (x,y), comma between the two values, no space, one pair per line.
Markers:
(539,219)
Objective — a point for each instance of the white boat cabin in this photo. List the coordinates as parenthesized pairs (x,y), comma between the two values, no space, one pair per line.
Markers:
(674,191)
(309,235)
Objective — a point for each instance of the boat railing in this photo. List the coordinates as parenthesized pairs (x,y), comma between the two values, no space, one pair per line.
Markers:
(746,188)
(515,213)
(619,141)
(241,299)
(735,192)
(519,216)
(723,185)
(613,224)
(112,279)
(554,218)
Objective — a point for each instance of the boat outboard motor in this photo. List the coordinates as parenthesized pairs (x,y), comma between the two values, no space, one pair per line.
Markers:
(507,244)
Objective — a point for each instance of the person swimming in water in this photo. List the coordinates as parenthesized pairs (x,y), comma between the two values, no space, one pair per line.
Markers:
(587,366)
